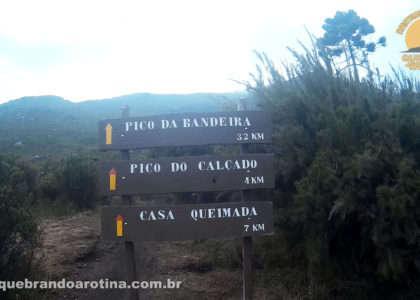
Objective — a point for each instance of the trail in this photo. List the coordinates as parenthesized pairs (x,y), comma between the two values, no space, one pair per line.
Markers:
(71,248)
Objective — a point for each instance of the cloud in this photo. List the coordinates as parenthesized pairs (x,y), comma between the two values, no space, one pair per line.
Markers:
(93,49)
(39,56)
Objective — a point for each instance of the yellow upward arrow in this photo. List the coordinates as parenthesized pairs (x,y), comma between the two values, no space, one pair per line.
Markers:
(108,130)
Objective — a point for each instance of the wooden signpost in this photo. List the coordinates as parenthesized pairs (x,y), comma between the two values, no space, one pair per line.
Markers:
(187,222)
(243,171)
(187,174)
(184,129)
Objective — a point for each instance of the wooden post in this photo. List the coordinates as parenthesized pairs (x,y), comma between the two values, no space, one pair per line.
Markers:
(247,287)
(129,246)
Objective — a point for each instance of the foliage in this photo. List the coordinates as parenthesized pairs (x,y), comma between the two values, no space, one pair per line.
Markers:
(348,172)
(77,181)
(70,181)
(18,231)
(344,35)
(44,126)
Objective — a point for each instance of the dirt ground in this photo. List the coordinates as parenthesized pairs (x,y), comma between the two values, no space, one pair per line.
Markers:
(71,248)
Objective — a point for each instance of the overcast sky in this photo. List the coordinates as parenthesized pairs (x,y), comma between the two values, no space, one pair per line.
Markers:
(88,49)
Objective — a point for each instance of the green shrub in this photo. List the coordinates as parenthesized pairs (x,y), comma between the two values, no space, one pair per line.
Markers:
(348,171)
(77,180)
(18,230)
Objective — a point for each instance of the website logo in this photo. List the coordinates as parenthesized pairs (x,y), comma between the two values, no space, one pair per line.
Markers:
(411,27)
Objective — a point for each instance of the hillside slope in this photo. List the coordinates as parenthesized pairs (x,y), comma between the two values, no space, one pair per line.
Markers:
(42,126)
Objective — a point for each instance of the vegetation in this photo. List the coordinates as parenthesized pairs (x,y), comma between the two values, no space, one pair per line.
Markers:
(18,231)
(78,179)
(348,176)
(347,164)
(72,180)
(344,34)
(47,126)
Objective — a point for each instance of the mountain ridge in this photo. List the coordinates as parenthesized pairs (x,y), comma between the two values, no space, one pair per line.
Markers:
(46,125)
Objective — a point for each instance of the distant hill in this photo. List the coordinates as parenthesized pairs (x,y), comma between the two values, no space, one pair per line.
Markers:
(46,125)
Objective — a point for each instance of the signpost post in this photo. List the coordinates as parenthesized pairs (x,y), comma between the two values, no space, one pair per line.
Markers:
(128,201)
(247,287)
(244,171)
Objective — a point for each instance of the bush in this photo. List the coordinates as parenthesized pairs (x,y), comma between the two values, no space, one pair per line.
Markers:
(77,180)
(18,231)
(348,171)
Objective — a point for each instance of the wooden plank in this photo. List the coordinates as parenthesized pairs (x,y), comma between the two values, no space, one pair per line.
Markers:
(187,174)
(185,129)
(187,222)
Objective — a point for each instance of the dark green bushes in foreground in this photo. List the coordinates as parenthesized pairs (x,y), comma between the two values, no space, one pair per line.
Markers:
(18,231)
(78,180)
(73,180)
(348,174)
(24,190)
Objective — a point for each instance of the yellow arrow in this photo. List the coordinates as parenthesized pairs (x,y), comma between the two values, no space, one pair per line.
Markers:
(108,130)
(119,220)
(112,179)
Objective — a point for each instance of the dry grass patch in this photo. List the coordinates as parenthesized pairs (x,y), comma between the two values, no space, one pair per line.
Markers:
(65,240)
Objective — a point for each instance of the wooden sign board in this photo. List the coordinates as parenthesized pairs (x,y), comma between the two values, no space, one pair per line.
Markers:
(187,174)
(187,222)
(185,129)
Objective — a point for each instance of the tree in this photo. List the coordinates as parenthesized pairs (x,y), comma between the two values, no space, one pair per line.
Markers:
(344,34)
